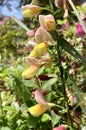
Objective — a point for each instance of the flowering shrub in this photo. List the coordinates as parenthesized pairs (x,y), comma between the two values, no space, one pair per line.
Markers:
(46,82)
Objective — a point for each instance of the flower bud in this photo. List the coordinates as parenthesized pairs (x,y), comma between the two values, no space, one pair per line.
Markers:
(31,10)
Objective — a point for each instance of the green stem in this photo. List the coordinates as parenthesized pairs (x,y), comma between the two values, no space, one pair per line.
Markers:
(1,105)
(63,81)
(77,14)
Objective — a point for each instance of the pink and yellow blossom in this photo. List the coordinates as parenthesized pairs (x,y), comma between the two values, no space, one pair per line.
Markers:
(42,35)
(31,10)
(47,22)
(42,105)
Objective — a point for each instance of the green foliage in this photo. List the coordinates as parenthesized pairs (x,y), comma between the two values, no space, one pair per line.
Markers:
(60,83)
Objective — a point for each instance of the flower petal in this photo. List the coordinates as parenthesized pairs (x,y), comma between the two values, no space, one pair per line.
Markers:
(62,127)
(47,22)
(39,50)
(31,60)
(40,97)
(42,35)
(30,72)
(31,10)
(37,110)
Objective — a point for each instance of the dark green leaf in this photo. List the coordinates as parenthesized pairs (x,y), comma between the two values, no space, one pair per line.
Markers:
(70,49)
(55,118)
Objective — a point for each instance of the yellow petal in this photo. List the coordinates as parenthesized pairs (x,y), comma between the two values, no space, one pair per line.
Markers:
(39,50)
(30,72)
(37,110)
(50,24)
(31,10)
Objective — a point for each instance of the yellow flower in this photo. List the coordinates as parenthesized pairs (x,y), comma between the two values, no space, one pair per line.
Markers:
(39,109)
(31,10)
(39,50)
(30,72)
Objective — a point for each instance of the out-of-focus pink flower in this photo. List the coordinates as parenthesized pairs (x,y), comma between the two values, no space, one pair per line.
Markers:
(29,48)
(65,25)
(1,23)
(31,32)
(31,10)
(6,18)
(42,35)
(19,51)
(42,105)
(79,30)
(62,127)
(47,22)
(75,100)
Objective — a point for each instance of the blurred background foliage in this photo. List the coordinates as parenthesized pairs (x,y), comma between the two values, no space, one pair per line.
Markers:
(16,93)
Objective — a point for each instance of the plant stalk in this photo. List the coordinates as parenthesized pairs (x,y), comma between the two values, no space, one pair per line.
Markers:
(2,112)
(63,81)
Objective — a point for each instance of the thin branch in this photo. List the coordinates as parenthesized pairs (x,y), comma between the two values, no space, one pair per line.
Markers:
(77,14)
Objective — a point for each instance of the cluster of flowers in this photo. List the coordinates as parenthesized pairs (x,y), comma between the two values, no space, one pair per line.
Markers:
(39,56)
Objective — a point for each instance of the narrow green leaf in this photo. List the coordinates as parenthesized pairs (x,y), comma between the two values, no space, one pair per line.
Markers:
(77,14)
(70,49)
(20,23)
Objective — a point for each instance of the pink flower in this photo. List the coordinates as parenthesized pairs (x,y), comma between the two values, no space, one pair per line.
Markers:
(1,23)
(79,30)
(31,32)
(62,127)
(42,35)
(47,22)
(65,25)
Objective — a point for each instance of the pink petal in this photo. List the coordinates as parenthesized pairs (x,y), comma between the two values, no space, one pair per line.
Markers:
(31,32)
(40,97)
(62,127)
(42,35)
(32,61)
(47,22)
(79,30)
